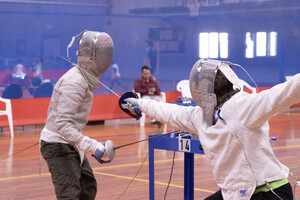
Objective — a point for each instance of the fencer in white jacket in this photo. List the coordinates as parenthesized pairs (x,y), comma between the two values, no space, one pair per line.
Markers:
(233,129)
(62,142)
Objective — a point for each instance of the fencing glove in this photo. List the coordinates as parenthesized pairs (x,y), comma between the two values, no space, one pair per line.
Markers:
(104,149)
(129,108)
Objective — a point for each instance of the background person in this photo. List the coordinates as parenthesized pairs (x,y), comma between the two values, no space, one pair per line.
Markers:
(148,87)
(150,57)
(116,76)
(37,72)
(19,71)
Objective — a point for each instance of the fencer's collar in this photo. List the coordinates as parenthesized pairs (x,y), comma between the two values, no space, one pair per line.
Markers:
(217,116)
(89,76)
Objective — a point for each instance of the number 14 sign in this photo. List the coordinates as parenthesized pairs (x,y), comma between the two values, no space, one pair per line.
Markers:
(184,144)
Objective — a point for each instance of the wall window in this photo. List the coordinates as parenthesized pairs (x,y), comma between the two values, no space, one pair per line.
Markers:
(273,44)
(249,46)
(261,44)
(213,45)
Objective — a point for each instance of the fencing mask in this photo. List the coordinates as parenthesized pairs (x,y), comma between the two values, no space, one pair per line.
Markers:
(202,84)
(95,54)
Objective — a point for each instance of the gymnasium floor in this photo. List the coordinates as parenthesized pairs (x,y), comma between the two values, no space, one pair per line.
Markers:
(20,176)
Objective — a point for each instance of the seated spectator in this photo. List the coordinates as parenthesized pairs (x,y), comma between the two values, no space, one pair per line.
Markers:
(37,73)
(19,71)
(148,87)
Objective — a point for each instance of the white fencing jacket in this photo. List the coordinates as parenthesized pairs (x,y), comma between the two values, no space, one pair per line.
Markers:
(68,113)
(237,146)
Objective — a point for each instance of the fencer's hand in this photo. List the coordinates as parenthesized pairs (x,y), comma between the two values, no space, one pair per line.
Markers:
(132,101)
(132,104)
(106,149)
(99,152)
(151,90)
(129,103)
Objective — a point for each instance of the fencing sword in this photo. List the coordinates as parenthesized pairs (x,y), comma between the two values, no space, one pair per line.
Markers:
(156,136)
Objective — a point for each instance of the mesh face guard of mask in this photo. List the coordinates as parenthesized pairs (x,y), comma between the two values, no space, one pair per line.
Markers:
(95,54)
(96,47)
(202,81)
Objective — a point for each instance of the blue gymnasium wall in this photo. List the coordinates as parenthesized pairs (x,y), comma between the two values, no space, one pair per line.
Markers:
(34,30)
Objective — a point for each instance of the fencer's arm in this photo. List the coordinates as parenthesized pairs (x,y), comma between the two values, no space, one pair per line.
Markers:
(68,102)
(259,108)
(179,117)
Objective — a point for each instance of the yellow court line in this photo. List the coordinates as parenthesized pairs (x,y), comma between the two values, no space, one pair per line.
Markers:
(286,147)
(176,159)
(28,176)
(108,167)
(134,164)
(147,181)
(131,164)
